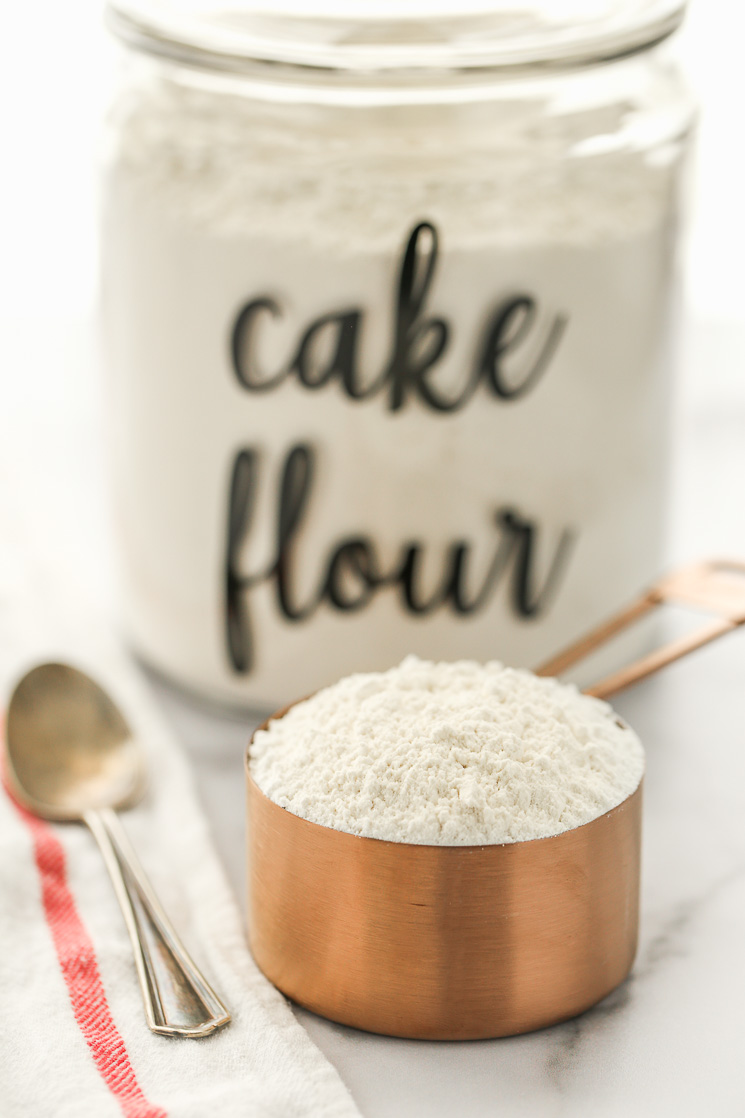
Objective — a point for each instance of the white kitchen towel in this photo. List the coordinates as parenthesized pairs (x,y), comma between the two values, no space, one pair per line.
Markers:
(73,1038)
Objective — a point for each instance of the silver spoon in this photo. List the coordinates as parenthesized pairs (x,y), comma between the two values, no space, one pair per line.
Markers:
(72,756)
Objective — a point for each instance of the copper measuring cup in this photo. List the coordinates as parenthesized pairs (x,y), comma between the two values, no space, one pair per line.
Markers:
(466,942)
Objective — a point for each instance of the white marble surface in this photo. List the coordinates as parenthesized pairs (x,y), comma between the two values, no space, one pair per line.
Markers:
(670,1041)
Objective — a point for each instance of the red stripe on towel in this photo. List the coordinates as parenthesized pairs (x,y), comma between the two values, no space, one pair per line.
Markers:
(77,960)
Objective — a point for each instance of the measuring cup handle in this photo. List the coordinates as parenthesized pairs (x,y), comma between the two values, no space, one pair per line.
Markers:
(715,586)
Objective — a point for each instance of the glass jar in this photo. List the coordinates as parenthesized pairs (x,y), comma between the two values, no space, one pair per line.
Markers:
(388,318)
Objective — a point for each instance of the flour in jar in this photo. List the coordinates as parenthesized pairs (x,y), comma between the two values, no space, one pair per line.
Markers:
(384,379)
(451,754)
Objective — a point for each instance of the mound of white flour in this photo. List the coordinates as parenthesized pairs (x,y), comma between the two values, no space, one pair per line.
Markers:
(450,754)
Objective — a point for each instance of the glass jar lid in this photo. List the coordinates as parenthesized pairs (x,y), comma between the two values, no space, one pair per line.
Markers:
(379,36)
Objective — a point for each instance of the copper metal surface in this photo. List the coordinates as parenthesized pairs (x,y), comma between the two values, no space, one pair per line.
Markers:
(443,942)
(715,587)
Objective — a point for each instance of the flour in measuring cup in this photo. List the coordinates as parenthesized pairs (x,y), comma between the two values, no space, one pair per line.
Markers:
(451,754)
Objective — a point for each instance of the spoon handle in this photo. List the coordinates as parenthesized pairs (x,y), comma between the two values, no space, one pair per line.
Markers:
(178,999)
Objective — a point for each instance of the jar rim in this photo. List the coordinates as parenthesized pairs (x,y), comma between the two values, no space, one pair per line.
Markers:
(392,37)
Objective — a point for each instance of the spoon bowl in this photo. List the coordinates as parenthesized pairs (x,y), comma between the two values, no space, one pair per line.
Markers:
(69,748)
